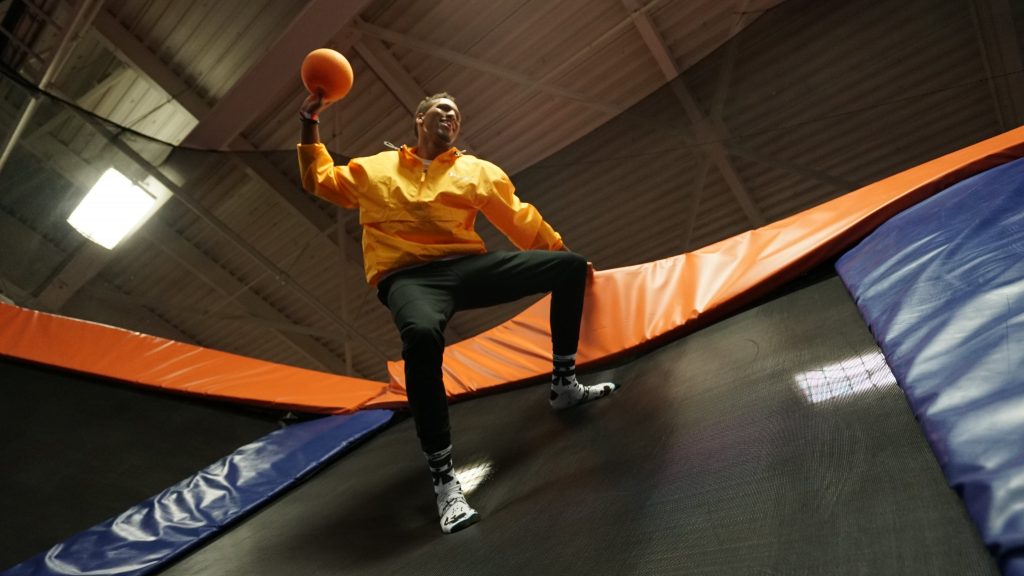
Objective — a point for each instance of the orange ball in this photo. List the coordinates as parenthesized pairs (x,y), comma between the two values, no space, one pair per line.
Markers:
(328,72)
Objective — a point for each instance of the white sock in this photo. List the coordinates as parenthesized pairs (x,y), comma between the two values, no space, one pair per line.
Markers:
(454,511)
(442,470)
(566,391)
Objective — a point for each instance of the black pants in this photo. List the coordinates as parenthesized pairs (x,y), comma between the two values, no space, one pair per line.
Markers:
(423,299)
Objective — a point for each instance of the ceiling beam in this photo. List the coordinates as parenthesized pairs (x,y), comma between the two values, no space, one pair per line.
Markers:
(706,132)
(397,38)
(315,26)
(695,198)
(728,65)
(398,80)
(745,13)
(131,50)
(62,116)
(652,38)
(820,176)
(390,71)
(257,166)
(69,37)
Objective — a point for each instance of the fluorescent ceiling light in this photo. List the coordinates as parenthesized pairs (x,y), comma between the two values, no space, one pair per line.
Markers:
(113,208)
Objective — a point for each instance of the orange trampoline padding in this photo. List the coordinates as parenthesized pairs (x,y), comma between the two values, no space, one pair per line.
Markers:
(626,309)
(154,362)
(629,308)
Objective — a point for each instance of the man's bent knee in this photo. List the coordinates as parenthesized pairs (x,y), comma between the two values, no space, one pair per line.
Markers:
(422,335)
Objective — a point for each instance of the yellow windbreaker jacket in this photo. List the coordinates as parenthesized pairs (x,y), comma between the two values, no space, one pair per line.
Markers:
(411,215)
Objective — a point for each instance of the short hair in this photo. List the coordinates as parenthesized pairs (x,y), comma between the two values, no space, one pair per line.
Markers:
(424,105)
(426,102)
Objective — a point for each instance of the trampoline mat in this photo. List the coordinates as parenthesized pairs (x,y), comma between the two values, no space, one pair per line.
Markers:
(773,442)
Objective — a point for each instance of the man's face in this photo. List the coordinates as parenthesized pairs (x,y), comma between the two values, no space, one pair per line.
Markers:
(441,121)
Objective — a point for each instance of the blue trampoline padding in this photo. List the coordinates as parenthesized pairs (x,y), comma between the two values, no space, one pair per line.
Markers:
(154,532)
(941,285)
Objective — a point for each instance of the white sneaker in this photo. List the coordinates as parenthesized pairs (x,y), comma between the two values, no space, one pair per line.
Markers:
(455,512)
(568,392)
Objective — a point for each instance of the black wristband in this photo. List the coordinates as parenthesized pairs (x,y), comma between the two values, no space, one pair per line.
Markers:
(308,118)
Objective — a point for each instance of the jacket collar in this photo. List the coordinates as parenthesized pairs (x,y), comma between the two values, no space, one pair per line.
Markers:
(407,156)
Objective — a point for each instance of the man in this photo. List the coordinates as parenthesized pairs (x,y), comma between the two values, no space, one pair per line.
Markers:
(417,207)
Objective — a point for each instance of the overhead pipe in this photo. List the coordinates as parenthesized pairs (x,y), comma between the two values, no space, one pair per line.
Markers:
(87,10)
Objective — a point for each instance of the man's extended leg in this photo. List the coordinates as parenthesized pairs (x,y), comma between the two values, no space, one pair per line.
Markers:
(500,277)
(421,305)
